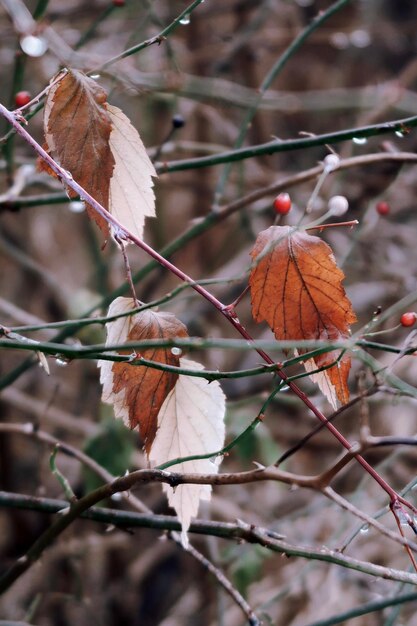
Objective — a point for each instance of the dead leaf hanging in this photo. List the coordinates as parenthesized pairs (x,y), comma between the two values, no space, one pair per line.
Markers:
(138,392)
(77,132)
(190,422)
(131,196)
(100,148)
(296,287)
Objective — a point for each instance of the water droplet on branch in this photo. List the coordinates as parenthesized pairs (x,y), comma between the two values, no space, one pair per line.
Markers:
(360,141)
(77,206)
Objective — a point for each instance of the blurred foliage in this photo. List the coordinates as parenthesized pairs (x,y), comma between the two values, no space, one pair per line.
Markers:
(112,448)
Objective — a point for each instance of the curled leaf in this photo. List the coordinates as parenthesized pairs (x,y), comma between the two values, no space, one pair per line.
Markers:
(190,422)
(138,392)
(296,287)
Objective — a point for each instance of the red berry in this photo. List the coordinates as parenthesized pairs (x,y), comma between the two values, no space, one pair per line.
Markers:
(22,98)
(383,208)
(282,204)
(408,319)
(119,3)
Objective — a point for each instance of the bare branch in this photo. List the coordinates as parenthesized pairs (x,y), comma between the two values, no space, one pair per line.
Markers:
(240,530)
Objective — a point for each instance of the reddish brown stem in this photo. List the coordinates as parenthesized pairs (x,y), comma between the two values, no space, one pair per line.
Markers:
(397,515)
(38,97)
(121,232)
(321,227)
(232,306)
(128,271)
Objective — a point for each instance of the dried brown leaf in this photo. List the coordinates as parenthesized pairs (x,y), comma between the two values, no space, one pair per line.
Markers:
(296,287)
(138,392)
(77,132)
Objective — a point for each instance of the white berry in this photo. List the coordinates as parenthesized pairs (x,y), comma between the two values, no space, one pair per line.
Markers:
(338,205)
(331,162)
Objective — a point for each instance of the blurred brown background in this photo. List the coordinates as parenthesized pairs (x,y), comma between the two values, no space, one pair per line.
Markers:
(358,68)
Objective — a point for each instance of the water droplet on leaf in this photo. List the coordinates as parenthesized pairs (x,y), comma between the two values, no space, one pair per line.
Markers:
(185,20)
(176,351)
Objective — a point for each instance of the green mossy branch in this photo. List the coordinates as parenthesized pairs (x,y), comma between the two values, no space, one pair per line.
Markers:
(277,145)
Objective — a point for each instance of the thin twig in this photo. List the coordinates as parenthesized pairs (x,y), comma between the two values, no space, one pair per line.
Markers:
(226,584)
(364,609)
(302,442)
(63,481)
(158,39)
(28,430)
(402,518)
(367,519)
(122,246)
(321,227)
(271,75)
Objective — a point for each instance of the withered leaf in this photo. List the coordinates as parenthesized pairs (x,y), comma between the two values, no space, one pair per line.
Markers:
(190,422)
(296,287)
(332,381)
(138,392)
(101,149)
(131,197)
(77,132)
